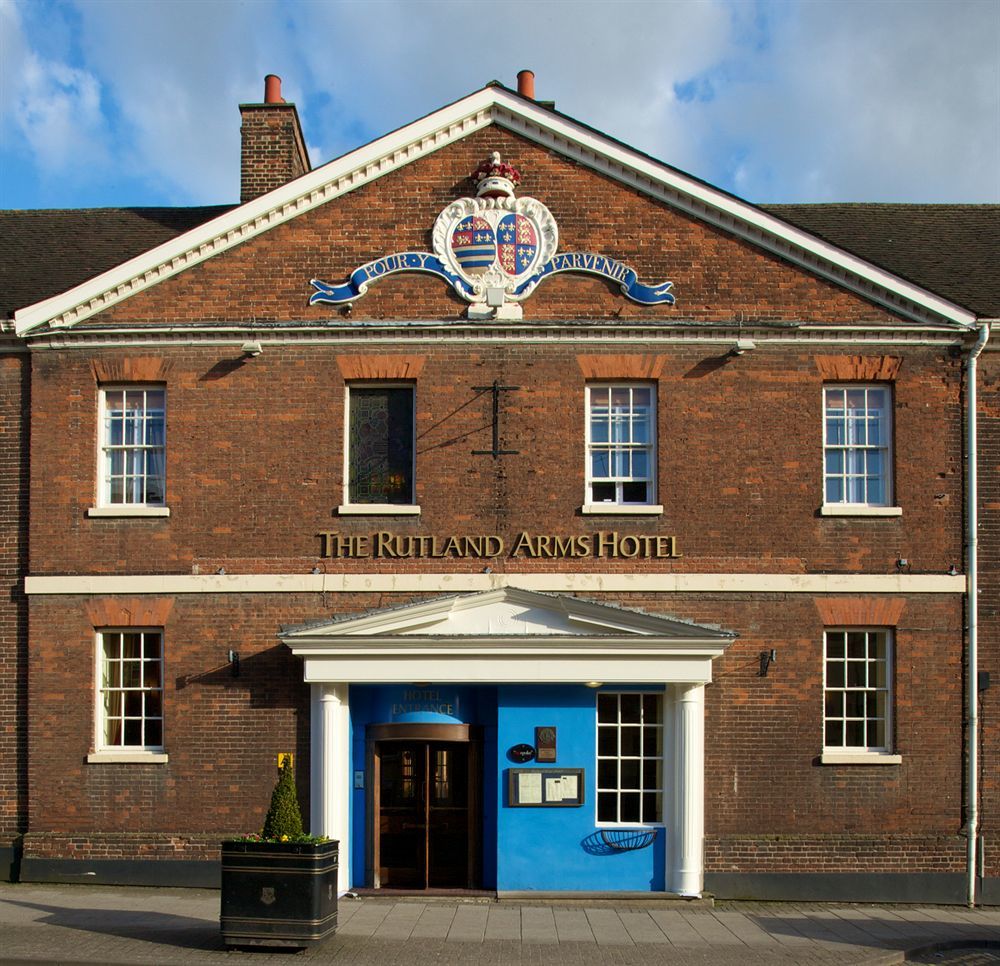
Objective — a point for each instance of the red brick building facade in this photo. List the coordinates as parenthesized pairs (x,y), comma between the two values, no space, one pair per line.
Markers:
(773,531)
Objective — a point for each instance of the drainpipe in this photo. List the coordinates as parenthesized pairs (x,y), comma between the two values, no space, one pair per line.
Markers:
(972,606)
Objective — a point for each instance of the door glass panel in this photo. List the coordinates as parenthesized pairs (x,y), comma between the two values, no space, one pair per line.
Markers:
(402,830)
(423,816)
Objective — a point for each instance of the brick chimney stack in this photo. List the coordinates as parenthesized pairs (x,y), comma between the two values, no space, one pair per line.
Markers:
(274,150)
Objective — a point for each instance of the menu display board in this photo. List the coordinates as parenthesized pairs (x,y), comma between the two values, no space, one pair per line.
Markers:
(540,787)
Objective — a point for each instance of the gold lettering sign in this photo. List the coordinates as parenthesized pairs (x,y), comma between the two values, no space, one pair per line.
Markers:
(604,544)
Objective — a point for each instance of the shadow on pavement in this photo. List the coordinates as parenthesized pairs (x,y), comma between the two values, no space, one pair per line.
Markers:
(874,933)
(182,932)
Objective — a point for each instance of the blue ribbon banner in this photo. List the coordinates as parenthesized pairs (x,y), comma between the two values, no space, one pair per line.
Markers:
(608,268)
(602,265)
(362,277)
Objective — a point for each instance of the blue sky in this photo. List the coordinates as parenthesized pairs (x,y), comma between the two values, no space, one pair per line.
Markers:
(134,102)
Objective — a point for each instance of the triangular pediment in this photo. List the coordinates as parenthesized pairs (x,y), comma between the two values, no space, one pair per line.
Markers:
(507,612)
(493,105)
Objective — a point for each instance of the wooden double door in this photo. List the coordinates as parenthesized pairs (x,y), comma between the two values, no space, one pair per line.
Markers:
(426,807)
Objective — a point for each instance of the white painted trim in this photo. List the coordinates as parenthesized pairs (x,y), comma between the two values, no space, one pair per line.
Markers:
(621,509)
(665,331)
(491,105)
(859,758)
(486,668)
(406,583)
(856,510)
(128,510)
(688,872)
(127,758)
(378,510)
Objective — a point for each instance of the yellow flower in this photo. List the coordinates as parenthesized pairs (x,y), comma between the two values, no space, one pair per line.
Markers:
(284,838)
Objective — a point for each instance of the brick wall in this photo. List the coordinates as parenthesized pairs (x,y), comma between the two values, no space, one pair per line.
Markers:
(14,387)
(763,735)
(256,456)
(273,150)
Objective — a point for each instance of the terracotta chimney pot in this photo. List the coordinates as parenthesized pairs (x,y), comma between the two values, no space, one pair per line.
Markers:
(272,90)
(526,83)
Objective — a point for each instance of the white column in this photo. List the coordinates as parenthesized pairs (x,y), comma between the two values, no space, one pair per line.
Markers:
(330,775)
(688,825)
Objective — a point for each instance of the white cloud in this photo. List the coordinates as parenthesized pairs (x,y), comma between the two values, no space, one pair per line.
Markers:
(775,100)
(54,107)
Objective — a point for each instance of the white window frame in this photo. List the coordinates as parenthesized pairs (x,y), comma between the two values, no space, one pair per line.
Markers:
(349,508)
(120,751)
(105,506)
(849,450)
(641,758)
(869,752)
(619,505)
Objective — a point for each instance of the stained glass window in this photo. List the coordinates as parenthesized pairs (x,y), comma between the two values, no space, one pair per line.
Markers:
(380,445)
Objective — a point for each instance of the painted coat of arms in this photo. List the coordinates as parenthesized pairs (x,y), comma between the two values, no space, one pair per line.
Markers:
(494,250)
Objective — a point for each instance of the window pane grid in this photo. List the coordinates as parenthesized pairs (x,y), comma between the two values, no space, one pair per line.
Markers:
(620,442)
(134,446)
(857,690)
(629,758)
(132,689)
(856,445)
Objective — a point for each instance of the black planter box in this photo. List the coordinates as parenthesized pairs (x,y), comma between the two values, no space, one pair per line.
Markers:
(278,893)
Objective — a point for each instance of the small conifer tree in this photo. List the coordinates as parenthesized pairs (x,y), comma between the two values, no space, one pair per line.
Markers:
(284,816)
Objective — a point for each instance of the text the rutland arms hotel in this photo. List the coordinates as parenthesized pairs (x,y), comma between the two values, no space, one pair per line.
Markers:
(576,525)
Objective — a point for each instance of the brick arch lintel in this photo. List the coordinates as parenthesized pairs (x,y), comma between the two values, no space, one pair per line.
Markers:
(621,366)
(380,367)
(131,369)
(860,611)
(130,611)
(858,368)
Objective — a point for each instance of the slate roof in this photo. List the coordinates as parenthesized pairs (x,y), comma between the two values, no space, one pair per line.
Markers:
(952,250)
(45,252)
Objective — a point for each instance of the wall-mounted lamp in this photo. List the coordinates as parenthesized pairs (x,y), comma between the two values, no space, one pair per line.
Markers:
(742,345)
(953,571)
(234,663)
(767,658)
(902,563)
(252,348)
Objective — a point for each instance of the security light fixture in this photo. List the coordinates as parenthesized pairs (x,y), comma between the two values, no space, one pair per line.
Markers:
(742,345)
(252,348)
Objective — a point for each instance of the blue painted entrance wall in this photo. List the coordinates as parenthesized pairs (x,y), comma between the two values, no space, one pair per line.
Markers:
(555,848)
(548,849)
(436,704)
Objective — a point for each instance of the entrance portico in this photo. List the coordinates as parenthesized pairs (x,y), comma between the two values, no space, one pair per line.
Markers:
(504,639)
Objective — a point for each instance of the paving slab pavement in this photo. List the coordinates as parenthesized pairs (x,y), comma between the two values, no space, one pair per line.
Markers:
(131,926)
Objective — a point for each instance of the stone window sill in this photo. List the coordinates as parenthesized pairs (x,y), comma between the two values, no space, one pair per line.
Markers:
(855,510)
(860,758)
(621,509)
(379,509)
(127,758)
(128,511)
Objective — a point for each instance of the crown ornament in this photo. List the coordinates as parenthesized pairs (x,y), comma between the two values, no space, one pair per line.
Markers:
(495,178)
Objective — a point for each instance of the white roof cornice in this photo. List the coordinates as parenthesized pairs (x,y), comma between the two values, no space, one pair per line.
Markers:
(492,105)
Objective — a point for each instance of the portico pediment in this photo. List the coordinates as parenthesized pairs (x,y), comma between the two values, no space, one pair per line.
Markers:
(507,634)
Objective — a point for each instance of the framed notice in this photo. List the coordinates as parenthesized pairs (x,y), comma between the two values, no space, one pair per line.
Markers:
(545,743)
(545,787)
